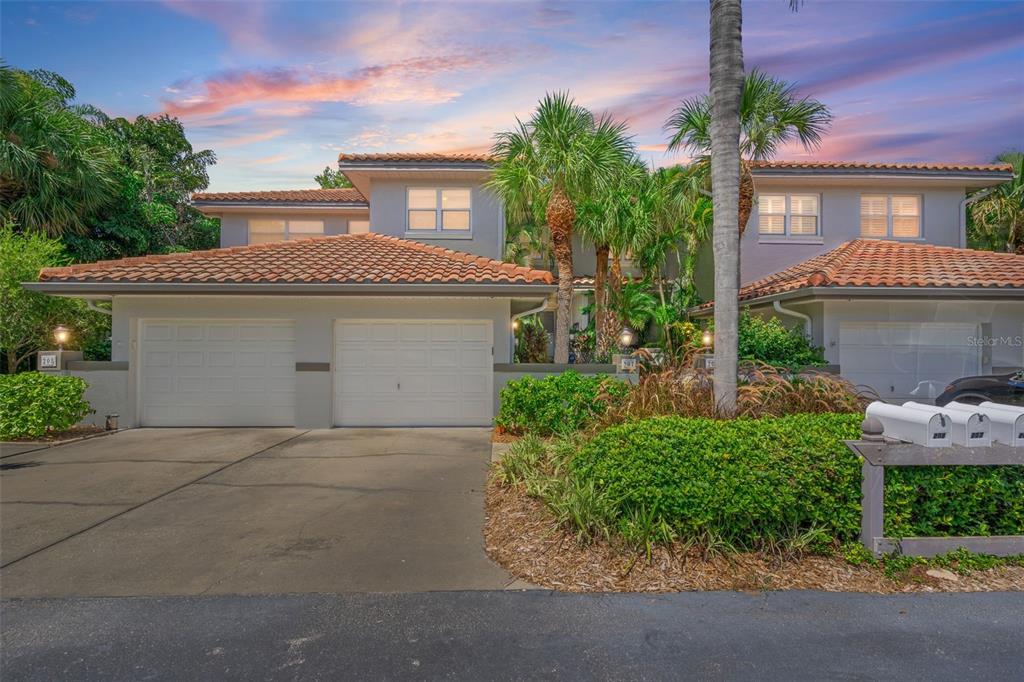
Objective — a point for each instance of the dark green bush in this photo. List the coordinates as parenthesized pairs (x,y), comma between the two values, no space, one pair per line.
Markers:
(749,482)
(32,403)
(558,403)
(769,341)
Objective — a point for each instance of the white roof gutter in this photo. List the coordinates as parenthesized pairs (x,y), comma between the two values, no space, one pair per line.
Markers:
(91,289)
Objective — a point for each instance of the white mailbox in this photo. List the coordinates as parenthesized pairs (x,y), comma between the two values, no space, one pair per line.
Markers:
(1007,422)
(970,428)
(912,426)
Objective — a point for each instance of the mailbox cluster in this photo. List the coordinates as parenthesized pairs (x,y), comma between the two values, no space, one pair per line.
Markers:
(952,424)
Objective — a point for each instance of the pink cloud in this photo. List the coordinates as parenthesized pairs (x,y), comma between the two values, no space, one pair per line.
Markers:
(243,140)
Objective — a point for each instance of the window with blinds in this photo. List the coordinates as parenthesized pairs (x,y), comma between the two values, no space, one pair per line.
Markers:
(444,210)
(781,215)
(262,231)
(890,215)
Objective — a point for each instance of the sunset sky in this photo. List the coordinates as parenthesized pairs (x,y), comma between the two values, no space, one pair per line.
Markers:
(278,89)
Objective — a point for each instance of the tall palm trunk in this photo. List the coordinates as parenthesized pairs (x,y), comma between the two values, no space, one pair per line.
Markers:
(611,325)
(746,203)
(726,92)
(560,215)
(602,343)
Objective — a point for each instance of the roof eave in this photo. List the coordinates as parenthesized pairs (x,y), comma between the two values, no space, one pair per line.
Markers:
(415,165)
(358,205)
(869,292)
(94,289)
(862,173)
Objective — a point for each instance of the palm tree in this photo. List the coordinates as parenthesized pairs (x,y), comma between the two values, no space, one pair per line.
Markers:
(723,142)
(771,115)
(546,168)
(997,218)
(610,222)
(55,167)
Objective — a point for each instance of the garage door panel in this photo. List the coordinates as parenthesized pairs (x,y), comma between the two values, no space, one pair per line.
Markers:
(902,360)
(429,372)
(219,373)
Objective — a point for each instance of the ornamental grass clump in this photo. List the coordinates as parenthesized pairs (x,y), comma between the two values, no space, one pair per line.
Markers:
(764,391)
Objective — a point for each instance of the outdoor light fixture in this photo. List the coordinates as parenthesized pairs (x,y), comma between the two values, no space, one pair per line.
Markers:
(627,337)
(515,324)
(61,334)
(707,338)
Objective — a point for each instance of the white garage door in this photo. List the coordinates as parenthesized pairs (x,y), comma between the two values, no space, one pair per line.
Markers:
(903,361)
(413,372)
(217,373)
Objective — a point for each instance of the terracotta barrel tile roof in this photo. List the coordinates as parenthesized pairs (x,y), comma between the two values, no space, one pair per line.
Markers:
(430,157)
(332,196)
(877,263)
(361,258)
(863,165)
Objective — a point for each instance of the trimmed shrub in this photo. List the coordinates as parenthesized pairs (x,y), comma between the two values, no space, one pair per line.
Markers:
(32,404)
(770,342)
(752,482)
(558,403)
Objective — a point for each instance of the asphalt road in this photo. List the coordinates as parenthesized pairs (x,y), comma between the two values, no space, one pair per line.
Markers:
(517,635)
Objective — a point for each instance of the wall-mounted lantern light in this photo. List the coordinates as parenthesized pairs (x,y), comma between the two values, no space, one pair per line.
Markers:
(515,324)
(707,338)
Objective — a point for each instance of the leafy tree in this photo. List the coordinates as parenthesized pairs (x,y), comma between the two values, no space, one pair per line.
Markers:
(332,178)
(27,318)
(996,220)
(55,166)
(547,167)
(157,173)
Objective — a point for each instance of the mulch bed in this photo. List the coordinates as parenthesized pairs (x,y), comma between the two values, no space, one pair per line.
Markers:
(66,434)
(521,536)
(499,436)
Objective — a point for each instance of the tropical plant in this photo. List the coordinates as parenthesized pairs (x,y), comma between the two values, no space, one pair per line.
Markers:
(525,243)
(531,340)
(547,166)
(55,166)
(332,178)
(997,217)
(771,115)
(634,303)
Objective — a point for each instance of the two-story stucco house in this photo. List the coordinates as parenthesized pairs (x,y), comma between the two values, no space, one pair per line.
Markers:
(870,258)
(388,304)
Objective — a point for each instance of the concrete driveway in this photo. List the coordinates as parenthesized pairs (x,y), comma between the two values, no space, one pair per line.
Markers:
(247,511)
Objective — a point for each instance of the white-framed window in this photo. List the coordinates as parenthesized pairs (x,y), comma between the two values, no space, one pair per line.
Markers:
(263,230)
(438,209)
(789,215)
(358,226)
(896,216)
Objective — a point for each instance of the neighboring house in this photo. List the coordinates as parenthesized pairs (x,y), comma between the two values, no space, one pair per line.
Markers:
(387,303)
(869,258)
(310,316)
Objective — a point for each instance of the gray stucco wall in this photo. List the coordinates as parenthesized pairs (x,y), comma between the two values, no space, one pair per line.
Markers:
(840,222)
(234,227)
(486,236)
(314,331)
(107,391)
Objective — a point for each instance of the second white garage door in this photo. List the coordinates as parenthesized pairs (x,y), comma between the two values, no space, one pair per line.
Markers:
(903,361)
(413,372)
(217,373)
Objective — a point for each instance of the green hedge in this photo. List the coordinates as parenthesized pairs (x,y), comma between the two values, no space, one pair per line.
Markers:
(558,403)
(749,481)
(32,404)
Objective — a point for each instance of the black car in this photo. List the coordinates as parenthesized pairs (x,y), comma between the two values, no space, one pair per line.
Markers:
(999,388)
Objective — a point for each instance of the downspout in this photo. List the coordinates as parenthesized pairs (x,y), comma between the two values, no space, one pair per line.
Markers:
(786,311)
(91,305)
(967,201)
(512,329)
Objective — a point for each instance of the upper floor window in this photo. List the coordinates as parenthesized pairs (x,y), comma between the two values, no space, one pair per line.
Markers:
(358,226)
(890,215)
(789,215)
(262,231)
(439,209)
